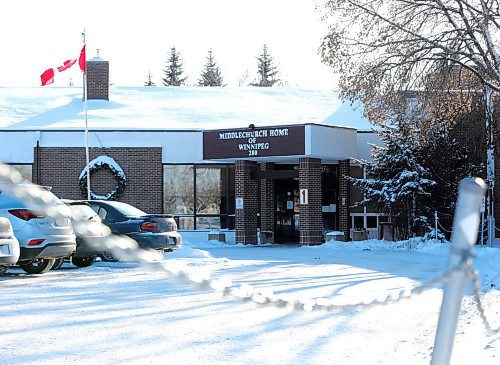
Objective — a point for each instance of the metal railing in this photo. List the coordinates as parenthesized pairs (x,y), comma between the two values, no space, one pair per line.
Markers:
(455,277)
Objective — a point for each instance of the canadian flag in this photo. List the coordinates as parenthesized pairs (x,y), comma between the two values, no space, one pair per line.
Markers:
(47,77)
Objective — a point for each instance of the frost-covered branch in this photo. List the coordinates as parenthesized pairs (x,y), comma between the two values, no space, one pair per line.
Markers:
(391,45)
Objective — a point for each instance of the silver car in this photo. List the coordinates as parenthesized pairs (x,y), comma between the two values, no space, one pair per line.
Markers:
(41,239)
(9,245)
(85,254)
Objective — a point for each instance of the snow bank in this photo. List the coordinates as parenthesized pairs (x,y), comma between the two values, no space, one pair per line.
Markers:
(416,244)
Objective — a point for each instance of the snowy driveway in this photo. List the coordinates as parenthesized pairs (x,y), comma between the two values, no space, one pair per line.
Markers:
(116,313)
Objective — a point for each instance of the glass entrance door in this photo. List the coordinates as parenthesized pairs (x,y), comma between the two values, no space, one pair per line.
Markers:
(287,211)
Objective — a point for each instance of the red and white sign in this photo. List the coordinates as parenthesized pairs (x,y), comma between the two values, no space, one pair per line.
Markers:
(304,196)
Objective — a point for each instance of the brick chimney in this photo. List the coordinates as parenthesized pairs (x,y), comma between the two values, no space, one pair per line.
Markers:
(97,78)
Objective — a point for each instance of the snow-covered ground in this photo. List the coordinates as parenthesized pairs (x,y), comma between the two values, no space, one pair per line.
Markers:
(117,313)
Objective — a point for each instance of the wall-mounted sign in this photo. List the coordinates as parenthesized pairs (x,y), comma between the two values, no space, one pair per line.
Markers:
(239,203)
(304,196)
(256,142)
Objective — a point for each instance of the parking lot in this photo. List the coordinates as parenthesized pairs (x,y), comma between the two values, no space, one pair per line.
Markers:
(119,313)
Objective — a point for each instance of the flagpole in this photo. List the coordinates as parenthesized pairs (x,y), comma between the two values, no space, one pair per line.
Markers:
(87,159)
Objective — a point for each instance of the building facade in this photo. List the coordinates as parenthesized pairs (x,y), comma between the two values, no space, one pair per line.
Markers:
(266,165)
(278,184)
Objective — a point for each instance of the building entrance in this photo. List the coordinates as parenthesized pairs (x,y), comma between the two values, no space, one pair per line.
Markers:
(286,194)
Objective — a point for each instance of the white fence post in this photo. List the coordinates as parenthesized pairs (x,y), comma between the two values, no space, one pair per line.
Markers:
(463,237)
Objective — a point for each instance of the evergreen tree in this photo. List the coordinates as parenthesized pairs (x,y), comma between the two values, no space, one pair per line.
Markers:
(267,71)
(173,71)
(149,81)
(211,75)
(415,174)
(397,182)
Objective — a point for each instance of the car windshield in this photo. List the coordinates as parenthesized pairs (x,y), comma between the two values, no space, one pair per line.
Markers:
(127,209)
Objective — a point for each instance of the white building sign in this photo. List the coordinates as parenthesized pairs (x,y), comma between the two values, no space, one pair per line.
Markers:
(304,196)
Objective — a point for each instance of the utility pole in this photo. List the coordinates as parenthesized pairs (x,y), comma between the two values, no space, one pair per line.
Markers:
(490,164)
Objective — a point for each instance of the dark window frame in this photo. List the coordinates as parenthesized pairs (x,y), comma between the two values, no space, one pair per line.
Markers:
(223,217)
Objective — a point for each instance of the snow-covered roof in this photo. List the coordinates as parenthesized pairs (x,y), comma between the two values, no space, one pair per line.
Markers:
(174,108)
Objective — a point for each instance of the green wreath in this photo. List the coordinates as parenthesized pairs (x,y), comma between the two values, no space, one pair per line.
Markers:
(104,162)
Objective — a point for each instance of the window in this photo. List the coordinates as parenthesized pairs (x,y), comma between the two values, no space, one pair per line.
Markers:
(178,189)
(371,221)
(208,223)
(358,222)
(199,196)
(329,197)
(101,212)
(209,190)
(185,223)
(356,194)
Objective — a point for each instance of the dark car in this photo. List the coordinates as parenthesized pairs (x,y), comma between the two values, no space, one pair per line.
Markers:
(151,231)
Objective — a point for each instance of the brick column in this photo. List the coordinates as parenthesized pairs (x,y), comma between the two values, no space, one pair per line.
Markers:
(344,216)
(246,189)
(267,208)
(311,224)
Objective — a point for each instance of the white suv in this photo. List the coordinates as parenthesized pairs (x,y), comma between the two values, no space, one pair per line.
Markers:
(9,245)
(41,239)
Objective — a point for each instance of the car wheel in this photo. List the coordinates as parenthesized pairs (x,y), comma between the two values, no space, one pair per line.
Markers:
(107,256)
(3,270)
(58,263)
(83,261)
(37,266)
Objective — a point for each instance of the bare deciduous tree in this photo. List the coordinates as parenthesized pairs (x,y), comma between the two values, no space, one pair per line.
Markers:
(393,45)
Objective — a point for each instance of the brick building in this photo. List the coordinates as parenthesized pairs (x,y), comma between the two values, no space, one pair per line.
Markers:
(265,165)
